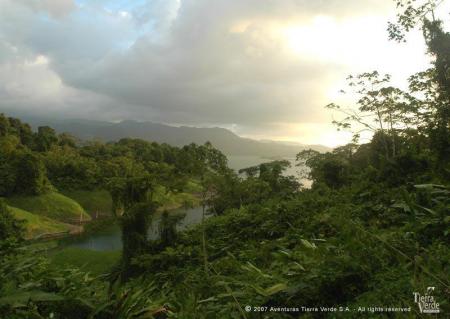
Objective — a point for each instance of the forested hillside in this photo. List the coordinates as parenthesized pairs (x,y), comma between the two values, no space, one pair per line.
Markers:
(226,141)
(371,232)
(46,174)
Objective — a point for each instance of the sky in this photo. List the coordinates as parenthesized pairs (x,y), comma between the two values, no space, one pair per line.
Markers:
(264,69)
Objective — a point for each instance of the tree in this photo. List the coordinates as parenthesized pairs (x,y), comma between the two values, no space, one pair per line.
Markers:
(167,176)
(438,43)
(330,169)
(132,196)
(203,161)
(432,85)
(31,177)
(224,192)
(121,166)
(22,131)
(411,13)
(167,227)
(134,224)
(66,169)
(253,191)
(10,143)
(7,176)
(66,139)
(381,109)
(272,173)
(45,138)
(4,125)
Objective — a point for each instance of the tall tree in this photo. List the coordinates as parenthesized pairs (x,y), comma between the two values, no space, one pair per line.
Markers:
(203,161)
(381,108)
(45,138)
(31,175)
(432,85)
(132,194)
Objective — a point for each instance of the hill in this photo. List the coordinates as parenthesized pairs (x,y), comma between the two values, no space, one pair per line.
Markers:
(223,139)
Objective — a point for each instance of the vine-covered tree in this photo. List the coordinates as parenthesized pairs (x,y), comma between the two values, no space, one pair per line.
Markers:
(132,196)
(432,86)
(11,230)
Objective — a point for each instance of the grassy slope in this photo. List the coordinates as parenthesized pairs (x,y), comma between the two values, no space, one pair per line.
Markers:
(93,201)
(37,225)
(51,205)
(96,262)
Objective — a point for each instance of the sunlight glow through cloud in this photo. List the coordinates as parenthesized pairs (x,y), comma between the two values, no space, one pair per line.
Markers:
(263,71)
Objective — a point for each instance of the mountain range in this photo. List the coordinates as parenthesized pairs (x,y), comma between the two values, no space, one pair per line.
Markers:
(225,140)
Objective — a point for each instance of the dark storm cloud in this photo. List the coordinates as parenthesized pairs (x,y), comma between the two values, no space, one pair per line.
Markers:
(194,62)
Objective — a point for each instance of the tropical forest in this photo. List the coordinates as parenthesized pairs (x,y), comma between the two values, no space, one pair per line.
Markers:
(136,228)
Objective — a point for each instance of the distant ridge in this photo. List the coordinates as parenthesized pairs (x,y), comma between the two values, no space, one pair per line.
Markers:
(223,139)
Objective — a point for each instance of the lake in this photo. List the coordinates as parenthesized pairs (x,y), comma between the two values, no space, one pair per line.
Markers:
(238,162)
(109,238)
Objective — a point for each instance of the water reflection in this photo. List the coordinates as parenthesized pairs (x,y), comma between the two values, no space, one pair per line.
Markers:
(109,238)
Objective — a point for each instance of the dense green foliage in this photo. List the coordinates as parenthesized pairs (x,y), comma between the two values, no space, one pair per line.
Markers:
(33,163)
(36,168)
(11,228)
(373,229)
(94,262)
(96,202)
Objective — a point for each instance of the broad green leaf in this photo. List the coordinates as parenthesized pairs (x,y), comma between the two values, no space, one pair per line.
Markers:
(275,289)
(308,244)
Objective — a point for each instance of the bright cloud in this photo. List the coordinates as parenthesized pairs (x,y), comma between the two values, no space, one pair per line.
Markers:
(265,71)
